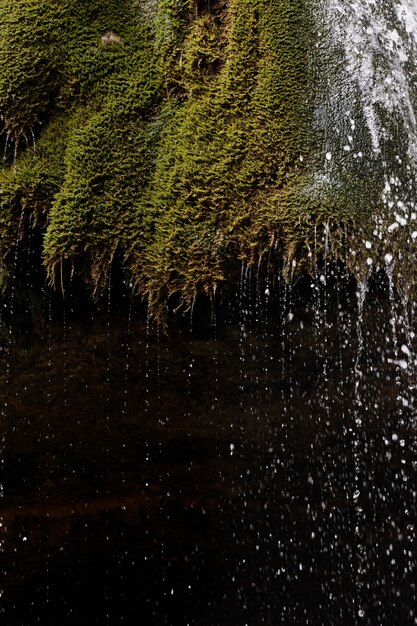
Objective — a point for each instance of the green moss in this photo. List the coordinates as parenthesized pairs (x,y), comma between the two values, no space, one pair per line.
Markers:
(95,211)
(231,150)
(109,156)
(48,51)
(27,81)
(166,133)
(28,188)
(101,82)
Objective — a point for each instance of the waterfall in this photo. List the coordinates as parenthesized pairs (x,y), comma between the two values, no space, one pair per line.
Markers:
(366,110)
(378,40)
(255,461)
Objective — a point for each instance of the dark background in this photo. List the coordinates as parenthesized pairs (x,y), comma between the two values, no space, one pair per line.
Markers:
(252,464)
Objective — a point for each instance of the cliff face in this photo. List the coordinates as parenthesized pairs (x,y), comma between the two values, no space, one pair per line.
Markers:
(181,136)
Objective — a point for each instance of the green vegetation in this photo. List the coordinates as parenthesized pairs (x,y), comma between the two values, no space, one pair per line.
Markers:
(175,134)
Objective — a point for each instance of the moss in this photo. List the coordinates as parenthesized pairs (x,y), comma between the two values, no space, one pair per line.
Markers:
(177,134)
(231,150)
(107,162)
(95,210)
(28,188)
(90,105)
(48,50)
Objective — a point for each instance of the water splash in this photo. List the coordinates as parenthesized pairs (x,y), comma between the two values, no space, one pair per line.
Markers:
(379,42)
(366,112)
(378,45)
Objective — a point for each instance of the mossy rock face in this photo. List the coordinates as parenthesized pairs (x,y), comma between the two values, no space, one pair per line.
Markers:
(78,79)
(181,135)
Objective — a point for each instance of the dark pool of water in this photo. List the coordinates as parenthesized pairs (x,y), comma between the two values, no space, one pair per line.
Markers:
(252,469)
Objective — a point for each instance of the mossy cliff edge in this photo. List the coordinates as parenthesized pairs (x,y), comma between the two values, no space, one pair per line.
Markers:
(177,136)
